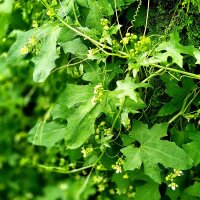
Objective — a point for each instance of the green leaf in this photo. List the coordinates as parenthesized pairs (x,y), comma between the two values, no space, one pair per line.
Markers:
(127,87)
(148,191)
(177,93)
(75,47)
(100,74)
(193,190)
(74,94)
(71,96)
(98,9)
(66,35)
(5,11)
(152,150)
(81,124)
(45,60)
(174,50)
(83,3)
(192,148)
(14,53)
(46,37)
(47,134)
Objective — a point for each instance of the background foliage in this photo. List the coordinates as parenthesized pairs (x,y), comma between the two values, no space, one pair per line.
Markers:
(99,99)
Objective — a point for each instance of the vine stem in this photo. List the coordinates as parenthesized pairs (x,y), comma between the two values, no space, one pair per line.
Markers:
(147,17)
(96,43)
(184,107)
(152,75)
(191,75)
(63,171)
(104,150)
(89,175)
(118,114)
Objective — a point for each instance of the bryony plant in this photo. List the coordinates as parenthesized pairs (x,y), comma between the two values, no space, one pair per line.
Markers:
(117,142)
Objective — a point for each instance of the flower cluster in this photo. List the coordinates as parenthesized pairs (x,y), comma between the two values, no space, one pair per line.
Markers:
(29,46)
(86,151)
(98,94)
(102,131)
(101,182)
(142,45)
(118,165)
(125,191)
(129,38)
(105,24)
(170,178)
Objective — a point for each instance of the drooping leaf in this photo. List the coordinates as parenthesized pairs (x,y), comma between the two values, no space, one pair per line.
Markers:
(47,134)
(81,124)
(45,59)
(177,93)
(72,95)
(152,150)
(75,47)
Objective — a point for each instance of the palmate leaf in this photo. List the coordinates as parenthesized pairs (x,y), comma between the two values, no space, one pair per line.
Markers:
(127,87)
(152,151)
(80,114)
(174,50)
(177,93)
(46,38)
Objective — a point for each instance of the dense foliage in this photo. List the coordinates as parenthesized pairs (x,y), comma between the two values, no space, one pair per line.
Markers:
(100,99)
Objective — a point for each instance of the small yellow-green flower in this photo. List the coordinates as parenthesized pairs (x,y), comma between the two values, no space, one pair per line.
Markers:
(173,185)
(24,50)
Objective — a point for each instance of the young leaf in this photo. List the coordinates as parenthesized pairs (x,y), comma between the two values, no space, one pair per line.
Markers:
(152,150)
(127,87)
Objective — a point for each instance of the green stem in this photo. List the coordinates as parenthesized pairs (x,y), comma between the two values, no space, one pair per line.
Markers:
(118,115)
(89,175)
(191,75)
(75,16)
(63,171)
(98,44)
(152,75)
(184,107)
